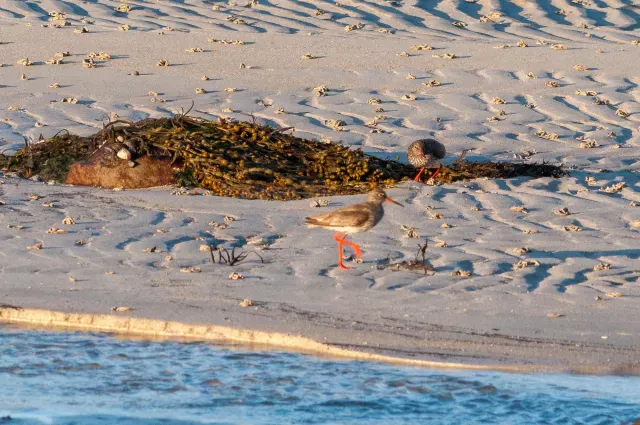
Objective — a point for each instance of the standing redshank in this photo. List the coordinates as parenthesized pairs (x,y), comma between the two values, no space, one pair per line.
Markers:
(426,153)
(355,218)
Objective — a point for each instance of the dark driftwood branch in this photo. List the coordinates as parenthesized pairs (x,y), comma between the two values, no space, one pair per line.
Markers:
(231,258)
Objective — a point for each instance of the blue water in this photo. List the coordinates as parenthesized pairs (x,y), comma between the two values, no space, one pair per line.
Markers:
(89,379)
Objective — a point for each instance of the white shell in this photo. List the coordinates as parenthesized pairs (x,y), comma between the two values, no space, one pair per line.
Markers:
(124,154)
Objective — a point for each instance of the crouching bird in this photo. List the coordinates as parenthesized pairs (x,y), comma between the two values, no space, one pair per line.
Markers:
(355,218)
(426,153)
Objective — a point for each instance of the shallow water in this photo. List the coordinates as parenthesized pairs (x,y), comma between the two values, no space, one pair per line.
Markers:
(89,379)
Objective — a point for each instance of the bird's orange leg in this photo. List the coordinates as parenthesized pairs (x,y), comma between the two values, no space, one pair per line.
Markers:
(340,241)
(355,246)
(417,179)
(435,174)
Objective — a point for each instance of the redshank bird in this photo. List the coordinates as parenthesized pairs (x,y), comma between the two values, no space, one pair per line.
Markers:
(426,153)
(355,218)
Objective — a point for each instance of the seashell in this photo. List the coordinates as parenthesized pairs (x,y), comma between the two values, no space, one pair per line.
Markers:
(321,90)
(373,101)
(82,30)
(615,188)
(432,83)
(246,302)
(622,113)
(527,263)
(559,47)
(335,124)
(599,101)
(150,250)
(120,309)
(554,315)
(562,212)
(522,43)
(544,135)
(459,24)
(308,56)
(135,73)
(68,221)
(445,56)
(88,63)
(520,250)
(103,56)
(124,153)
(56,231)
(190,270)
(54,61)
(280,111)
(580,68)
(24,62)
(502,46)
(236,276)
(123,8)
(636,42)
(460,273)
(80,243)
(357,26)
(403,54)
(519,209)
(157,100)
(230,89)
(588,143)
(34,196)
(436,216)
(613,295)
(493,119)
(586,93)
(23,76)
(572,228)
(162,62)
(421,47)
(552,84)
(194,50)
(442,244)
(13,226)
(204,78)
(227,110)
(125,27)
(152,93)
(200,91)
(35,246)
(601,267)
(530,232)
(408,97)
(498,101)
(531,75)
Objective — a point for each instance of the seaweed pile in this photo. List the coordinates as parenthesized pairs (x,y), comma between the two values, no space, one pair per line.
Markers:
(242,159)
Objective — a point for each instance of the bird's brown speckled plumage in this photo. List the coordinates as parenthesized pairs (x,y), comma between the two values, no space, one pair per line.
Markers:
(426,153)
(354,218)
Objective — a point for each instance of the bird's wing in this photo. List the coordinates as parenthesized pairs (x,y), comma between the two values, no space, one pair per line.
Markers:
(351,216)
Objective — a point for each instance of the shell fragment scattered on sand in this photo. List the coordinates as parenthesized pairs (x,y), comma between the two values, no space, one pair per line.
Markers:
(614,188)
(120,309)
(562,212)
(246,303)
(162,62)
(527,263)
(236,276)
(572,228)
(601,267)
(35,246)
(190,270)
(519,209)
(460,273)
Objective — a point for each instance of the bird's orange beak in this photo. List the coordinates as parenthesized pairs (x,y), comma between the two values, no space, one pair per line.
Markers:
(393,202)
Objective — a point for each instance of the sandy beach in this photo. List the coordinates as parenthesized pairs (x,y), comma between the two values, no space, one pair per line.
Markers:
(529,272)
